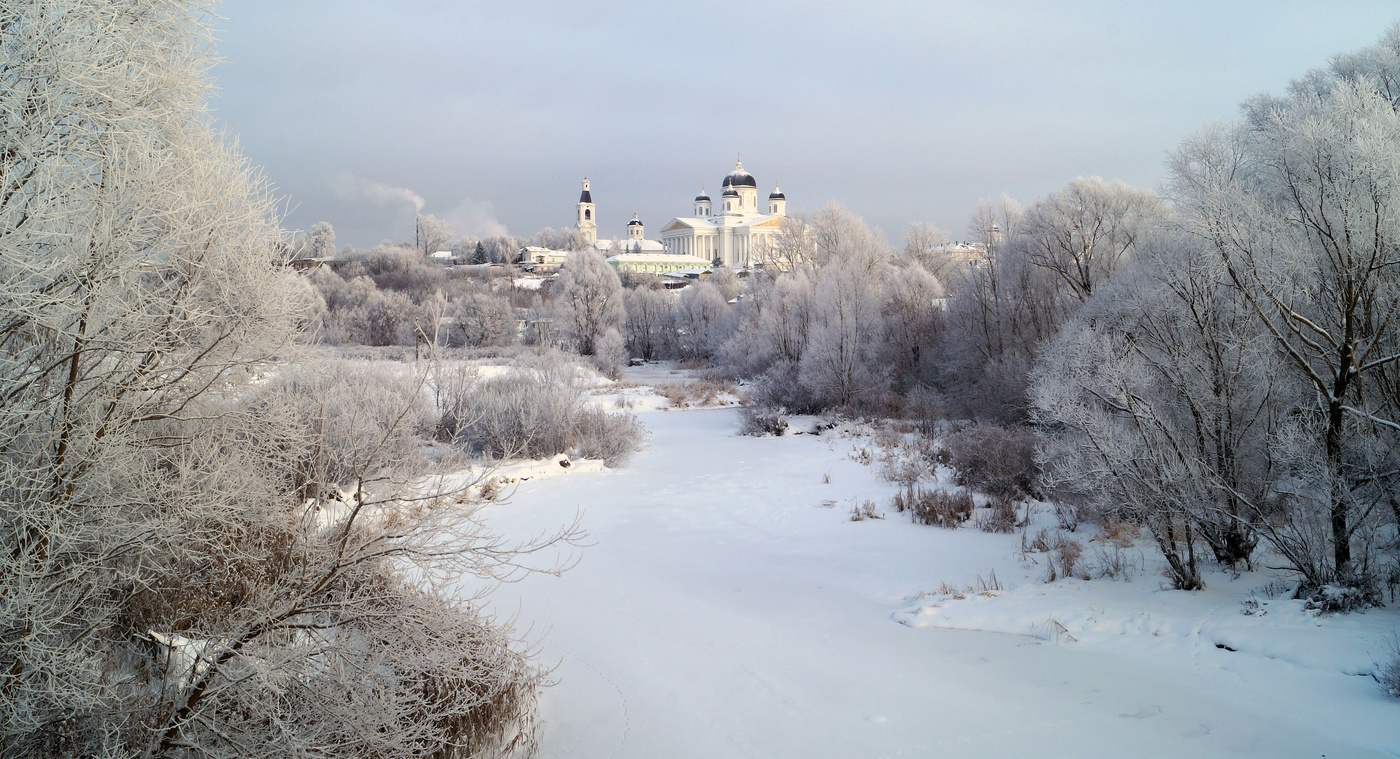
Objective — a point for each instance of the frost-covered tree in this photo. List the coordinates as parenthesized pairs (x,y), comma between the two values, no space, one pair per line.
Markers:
(913,322)
(1301,203)
(702,320)
(1084,232)
(839,236)
(650,325)
(772,324)
(589,298)
(928,245)
(170,585)
(840,360)
(1158,401)
(481,319)
(727,282)
(611,353)
(998,312)
(321,240)
(433,234)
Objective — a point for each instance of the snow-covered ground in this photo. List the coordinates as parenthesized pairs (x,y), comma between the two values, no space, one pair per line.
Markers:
(729,607)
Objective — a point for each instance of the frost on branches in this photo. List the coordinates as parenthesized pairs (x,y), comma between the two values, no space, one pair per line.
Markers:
(181,571)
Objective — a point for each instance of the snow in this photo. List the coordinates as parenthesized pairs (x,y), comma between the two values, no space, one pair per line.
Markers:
(728,606)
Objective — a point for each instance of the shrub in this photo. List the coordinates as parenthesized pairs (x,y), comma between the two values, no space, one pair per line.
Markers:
(511,416)
(994,459)
(1068,515)
(865,511)
(613,438)
(1340,598)
(1000,517)
(333,422)
(1064,558)
(481,319)
(536,410)
(697,392)
(937,507)
(1388,675)
(760,421)
(779,387)
(1110,560)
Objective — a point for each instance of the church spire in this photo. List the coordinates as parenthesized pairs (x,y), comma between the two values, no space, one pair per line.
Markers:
(587,218)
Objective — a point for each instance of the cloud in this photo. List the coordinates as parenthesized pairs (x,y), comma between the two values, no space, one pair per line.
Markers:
(473,218)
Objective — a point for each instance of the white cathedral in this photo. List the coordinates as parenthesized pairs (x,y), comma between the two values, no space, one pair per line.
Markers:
(735,231)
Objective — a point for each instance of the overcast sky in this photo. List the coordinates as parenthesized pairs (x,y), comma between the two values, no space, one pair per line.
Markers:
(491,113)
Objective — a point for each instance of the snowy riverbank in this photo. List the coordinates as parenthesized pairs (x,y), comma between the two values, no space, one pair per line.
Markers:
(728,606)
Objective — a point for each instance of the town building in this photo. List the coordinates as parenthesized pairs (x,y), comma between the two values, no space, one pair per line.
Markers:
(656,263)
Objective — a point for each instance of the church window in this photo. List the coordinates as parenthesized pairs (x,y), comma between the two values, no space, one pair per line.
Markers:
(587,213)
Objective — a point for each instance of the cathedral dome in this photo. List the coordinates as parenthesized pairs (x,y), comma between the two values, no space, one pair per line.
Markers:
(702,197)
(730,192)
(740,178)
(635,222)
(777,194)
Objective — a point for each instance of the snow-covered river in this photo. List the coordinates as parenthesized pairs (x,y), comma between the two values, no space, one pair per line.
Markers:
(726,608)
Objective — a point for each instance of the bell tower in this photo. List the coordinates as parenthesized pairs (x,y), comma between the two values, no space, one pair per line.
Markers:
(587,218)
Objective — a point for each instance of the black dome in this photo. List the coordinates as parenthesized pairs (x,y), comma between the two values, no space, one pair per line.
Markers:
(777,195)
(730,192)
(634,223)
(702,198)
(740,178)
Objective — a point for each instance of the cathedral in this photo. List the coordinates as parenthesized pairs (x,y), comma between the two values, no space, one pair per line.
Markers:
(736,231)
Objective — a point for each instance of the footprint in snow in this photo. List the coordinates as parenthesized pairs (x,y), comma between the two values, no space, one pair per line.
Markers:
(1143,713)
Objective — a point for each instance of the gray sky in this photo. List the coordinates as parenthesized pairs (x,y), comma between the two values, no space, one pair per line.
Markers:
(904,112)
